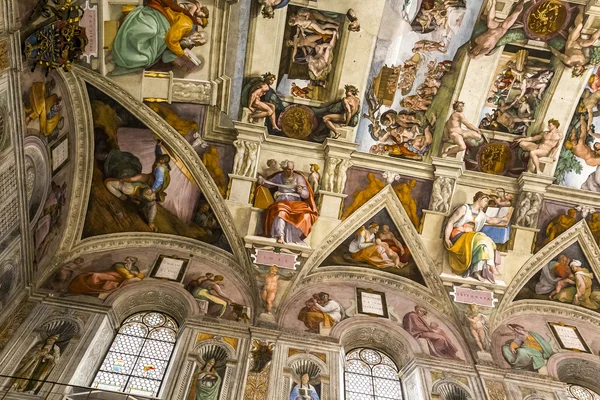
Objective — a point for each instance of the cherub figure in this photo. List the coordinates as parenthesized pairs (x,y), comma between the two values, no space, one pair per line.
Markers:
(486,42)
(478,324)
(269,291)
(351,104)
(314,178)
(576,53)
(258,107)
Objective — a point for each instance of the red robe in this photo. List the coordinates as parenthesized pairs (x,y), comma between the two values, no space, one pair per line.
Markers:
(439,344)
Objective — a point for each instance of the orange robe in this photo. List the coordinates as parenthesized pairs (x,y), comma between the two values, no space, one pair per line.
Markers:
(302,213)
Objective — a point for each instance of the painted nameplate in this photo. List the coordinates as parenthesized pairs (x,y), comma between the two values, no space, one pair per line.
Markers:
(465,295)
(270,257)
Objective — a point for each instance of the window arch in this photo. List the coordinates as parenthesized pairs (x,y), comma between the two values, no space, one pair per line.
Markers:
(577,392)
(139,355)
(371,375)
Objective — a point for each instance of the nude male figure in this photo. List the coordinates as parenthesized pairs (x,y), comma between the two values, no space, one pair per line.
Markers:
(547,146)
(351,104)
(590,100)
(302,43)
(453,131)
(580,148)
(319,63)
(259,108)
(306,19)
(576,53)
(486,42)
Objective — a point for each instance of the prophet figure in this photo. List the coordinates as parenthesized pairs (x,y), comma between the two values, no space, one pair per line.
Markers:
(470,251)
(304,390)
(291,217)
(527,351)
(577,52)
(107,281)
(36,365)
(156,31)
(206,383)
(438,342)
(320,309)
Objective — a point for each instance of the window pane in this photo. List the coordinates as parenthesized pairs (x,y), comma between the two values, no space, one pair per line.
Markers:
(154,319)
(370,356)
(165,334)
(109,381)
(143,387)
(387,388)
(139,355)
(359,383)
(383,371)
(118,363)
(358,367)
(134,329)
(150,368)
(358,396)
(127,345)
(155,349)
(373,376)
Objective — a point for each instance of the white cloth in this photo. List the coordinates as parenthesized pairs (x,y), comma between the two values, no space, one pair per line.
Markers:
(333,308)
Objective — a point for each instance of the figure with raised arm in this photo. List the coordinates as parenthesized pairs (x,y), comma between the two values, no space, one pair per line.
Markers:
(486,42)
(576,53)
(547,146)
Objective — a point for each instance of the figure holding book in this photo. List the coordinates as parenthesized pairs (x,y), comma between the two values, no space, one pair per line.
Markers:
(290,217)
(470,251)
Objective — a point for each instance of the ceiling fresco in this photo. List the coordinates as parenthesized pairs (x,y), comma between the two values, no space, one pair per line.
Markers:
(426,166)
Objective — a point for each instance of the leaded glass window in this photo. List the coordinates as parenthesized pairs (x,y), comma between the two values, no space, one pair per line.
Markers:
(371,375)
(580,393)
(139,355)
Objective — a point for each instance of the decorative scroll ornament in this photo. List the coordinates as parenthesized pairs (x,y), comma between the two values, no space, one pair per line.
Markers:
(58,44)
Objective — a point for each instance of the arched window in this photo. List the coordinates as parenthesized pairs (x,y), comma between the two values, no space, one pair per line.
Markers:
(371,375)
(139,355)
(580,393)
